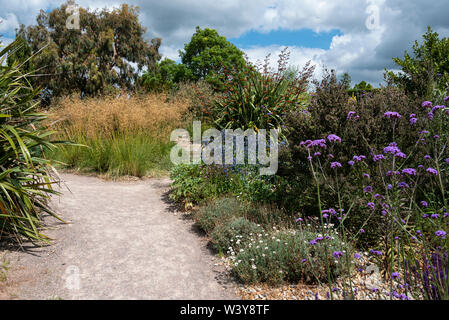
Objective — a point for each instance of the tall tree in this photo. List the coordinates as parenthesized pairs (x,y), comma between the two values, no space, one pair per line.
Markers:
(208,53)
(426,69)
(166,75)
(108,50)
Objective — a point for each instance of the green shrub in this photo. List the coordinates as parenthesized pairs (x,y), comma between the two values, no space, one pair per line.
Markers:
(25,180)
(187,183)
(269,216)
(218,212)
(236,232)
(258,97)
(327,114)
(199,183)
(288,256)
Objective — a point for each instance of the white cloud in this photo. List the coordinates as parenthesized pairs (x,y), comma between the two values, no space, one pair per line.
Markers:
(8,23)
(362,52)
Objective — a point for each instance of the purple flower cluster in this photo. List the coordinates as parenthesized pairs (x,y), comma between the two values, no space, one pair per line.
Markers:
(337,254)
(427,104)
(376,252)
(440,233)
(413,119)
(409,171)
(352,115)
(378,157)
(392,114)
(394,150)
(359,158)
(321,143)
(333,138)
(335,165)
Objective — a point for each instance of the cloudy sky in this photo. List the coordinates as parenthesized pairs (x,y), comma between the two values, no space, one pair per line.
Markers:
(358,36)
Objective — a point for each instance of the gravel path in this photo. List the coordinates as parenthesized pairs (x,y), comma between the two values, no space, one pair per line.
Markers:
(124,242)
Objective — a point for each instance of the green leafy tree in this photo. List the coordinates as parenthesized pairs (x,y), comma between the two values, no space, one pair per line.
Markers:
(208,54)
(98,56)
(166,75)
(346,80)
(363,86)
(426,69)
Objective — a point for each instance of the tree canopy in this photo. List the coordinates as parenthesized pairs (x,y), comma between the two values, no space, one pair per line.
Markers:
(108,50)
(208,53)
(426,69)
(165,76)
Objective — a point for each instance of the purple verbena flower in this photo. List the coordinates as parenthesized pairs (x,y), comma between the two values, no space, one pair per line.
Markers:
(335,165)
(427,104)
(333,138)
(392,114)
(376,252)
(441,234)
(403,185)
(432,171)
(378,157)
(337,254)
(409,171)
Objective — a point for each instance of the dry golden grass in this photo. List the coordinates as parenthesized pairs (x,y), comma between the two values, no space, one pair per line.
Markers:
(156,114)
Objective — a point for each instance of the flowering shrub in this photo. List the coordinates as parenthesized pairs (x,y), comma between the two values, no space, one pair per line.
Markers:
(235,232)
(292,256)
(404,192)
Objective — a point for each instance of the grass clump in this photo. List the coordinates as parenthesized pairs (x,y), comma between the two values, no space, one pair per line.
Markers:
(121,136)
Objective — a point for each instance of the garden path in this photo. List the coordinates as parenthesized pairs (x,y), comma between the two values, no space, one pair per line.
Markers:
(124,241)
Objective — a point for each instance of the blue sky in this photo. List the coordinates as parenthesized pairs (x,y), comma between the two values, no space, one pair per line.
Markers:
(360,37)
(302,38)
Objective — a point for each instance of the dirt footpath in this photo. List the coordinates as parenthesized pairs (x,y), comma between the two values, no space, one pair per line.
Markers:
(123,242)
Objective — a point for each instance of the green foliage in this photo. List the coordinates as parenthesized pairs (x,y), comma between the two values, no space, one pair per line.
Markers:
(25,181)
(196,183)
(345,80)
(236,232)
(218,212)
(208,53)
(94,58)
(120,154)
(165,76)
(327,114)
(259,98)
(22,56)
(287,256)
(187,183)
(427,69)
